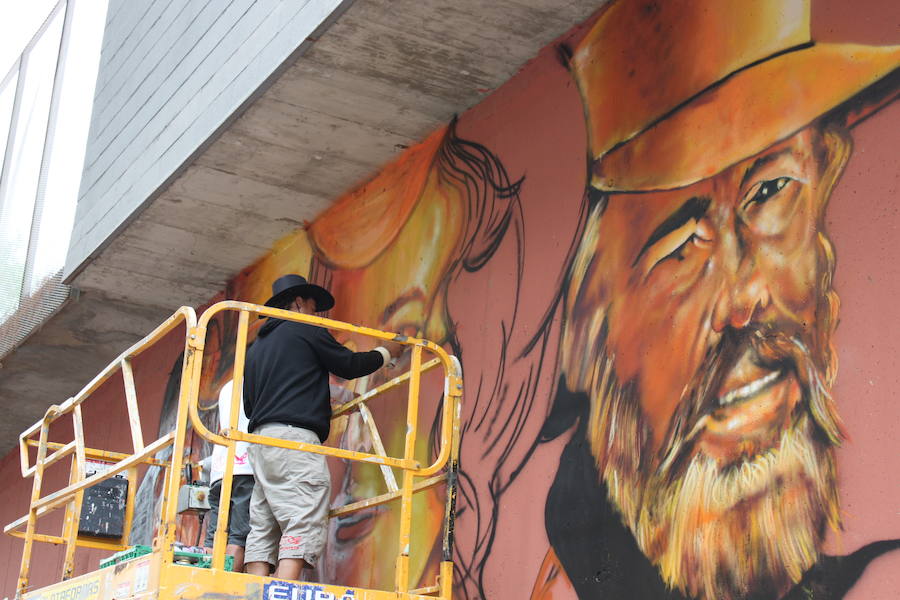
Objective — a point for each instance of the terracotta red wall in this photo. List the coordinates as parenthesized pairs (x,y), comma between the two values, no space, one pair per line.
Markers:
(498,302)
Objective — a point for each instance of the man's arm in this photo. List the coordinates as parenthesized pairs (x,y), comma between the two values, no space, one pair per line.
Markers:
(343,362)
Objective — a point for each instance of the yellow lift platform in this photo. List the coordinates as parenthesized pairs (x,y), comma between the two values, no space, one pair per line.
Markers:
(157,574)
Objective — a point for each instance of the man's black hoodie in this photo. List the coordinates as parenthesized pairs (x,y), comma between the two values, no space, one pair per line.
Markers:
(286,375)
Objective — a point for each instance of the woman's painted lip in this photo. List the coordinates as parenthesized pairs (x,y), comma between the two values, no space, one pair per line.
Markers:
(355,526)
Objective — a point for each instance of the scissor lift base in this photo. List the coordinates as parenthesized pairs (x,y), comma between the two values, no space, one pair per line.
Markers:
(146,578)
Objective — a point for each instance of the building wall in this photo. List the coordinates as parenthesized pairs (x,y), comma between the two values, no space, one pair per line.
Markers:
(172,73)
(596,328)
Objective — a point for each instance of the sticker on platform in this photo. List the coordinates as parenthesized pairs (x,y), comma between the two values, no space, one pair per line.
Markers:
(92,467)
(141,577)
(86,589)
(108,586)
(287,590)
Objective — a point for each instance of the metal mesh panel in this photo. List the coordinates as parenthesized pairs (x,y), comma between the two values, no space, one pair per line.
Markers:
(29,219)
(32,312)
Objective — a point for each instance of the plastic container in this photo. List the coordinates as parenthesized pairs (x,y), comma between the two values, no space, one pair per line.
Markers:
(182,557)
(131,553)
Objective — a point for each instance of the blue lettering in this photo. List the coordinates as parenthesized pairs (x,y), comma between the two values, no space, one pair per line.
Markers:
(278,591)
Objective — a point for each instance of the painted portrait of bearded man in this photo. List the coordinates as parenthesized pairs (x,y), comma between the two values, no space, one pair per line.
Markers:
(699,310)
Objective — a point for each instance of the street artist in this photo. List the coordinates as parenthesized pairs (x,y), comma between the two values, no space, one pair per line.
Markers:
(286,395)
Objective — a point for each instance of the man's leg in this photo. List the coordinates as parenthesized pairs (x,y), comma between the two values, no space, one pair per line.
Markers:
(212,516)
(299,502)
(237,552)
(290,568)
(239,519)
(258,568)
(262,541)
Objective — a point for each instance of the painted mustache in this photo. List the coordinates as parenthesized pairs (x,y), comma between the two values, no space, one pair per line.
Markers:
(779,355)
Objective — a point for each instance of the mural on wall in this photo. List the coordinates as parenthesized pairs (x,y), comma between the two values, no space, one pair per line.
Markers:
(696,357)
(676,382)
(390,254)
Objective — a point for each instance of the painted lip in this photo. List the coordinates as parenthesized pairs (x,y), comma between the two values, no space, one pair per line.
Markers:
(356,526)
(756,404)
(747,415)
(751,389)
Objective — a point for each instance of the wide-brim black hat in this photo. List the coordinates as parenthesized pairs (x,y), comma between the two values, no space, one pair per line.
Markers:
(291,285)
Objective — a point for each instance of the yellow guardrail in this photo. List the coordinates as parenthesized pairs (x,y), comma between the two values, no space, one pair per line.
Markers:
(443,468)
(72,494)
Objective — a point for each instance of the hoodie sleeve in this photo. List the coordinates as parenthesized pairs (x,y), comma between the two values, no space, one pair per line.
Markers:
(340,360)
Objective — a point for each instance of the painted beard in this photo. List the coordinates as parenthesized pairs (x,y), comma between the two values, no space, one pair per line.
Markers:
(750,527)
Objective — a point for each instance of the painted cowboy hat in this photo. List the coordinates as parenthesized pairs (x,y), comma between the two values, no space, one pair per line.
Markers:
(675,91)
(291,286)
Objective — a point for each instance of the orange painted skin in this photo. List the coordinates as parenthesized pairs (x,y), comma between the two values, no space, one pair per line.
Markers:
(752,258)
(398,291)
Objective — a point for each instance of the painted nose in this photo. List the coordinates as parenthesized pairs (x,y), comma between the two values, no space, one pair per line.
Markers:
(741,301)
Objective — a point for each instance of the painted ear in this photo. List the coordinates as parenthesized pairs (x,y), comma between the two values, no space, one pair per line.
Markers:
(837,145)
(584,319)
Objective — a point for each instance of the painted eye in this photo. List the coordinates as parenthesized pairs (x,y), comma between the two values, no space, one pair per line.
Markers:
(769,189)
(677,244)
(678,253)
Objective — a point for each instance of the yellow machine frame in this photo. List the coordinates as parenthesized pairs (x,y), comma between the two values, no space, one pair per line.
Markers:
(157,575)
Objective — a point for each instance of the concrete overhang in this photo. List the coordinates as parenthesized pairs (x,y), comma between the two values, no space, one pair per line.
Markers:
(380,78)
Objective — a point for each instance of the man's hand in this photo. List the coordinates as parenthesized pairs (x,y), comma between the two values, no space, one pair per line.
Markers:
(395,348)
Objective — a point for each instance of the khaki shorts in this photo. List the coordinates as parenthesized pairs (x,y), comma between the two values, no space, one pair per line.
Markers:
(289,505)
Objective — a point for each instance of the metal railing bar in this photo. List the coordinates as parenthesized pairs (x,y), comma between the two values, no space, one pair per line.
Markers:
(52,501)
(10,528)
(452,383)
(288,315)
(240,436)
(59,540)
(237,385)
(450,413)
(132,478)
(362,398)
(401,571)
(73,507)
(134,415)
(385,498)
(389,480)
(57,498)
(64,451)
(424,591)
(185,313)
(92,453)
(31,517)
